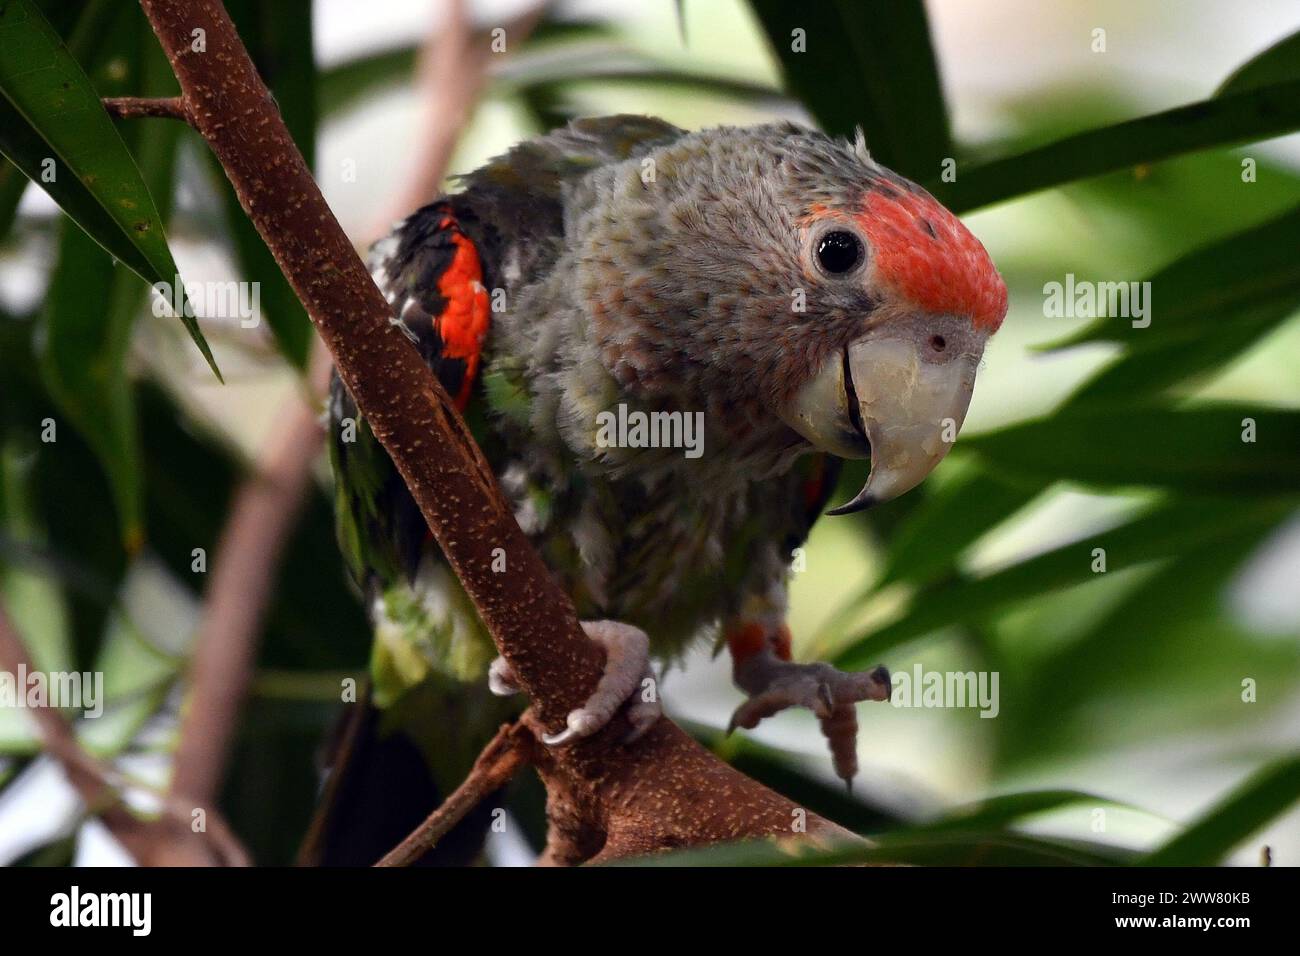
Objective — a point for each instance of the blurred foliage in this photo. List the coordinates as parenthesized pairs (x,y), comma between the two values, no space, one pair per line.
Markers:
(98,529)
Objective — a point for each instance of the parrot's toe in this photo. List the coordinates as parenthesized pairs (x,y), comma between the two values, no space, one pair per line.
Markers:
(627,679)
(501,678)
(643,710)
(774,685)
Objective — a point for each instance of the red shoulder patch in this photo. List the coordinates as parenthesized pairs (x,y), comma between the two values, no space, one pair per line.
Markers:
(463,324)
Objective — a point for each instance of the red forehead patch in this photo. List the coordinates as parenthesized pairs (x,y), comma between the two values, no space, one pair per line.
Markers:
(926,254)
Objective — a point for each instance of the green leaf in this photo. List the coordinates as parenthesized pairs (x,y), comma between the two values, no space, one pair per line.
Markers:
(1196,296)
(1159,661)
(867,63)
(1000,811)
(948,522)
(995,848)
(1278,63)
(930,539)
(83,349)
(1162,531)
(83,364)
(1247,116)
(89,29)
(1267,794)
(51,122)
(1199,450)
(1145,372)
(73,507)
(33,600)
(553,77)
(1206,308)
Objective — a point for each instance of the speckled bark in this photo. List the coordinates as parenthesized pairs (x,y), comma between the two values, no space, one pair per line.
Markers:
(664,791)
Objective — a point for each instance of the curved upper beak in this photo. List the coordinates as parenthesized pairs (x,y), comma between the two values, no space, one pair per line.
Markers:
(880,398)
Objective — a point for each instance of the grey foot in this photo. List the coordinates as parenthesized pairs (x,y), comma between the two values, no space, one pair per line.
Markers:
(627,679)
(774,685)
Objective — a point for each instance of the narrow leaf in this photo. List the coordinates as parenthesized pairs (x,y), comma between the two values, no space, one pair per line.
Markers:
(82,363)
(1216,449)
(1198,294)
(54,129)
(1158,661)
(1278,63)
(1163,531)
(1267,794)
(1000,811)
(1252,115)
(83,348)
(936,534)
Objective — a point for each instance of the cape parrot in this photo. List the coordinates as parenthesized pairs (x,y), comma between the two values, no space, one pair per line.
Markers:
(664,341)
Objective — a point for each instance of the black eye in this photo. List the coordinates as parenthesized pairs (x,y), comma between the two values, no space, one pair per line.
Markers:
(839,251)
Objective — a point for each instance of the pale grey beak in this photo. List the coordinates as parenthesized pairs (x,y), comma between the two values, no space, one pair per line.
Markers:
(885,399)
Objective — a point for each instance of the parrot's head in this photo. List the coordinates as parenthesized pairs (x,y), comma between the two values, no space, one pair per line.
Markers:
(897,386)
(812,287)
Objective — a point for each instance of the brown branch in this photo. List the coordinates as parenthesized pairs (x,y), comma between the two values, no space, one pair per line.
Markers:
(494,768)
(403,403)
(665,790)
(135,107)
(265,508)
(451,73)
(169,840)
(267,504)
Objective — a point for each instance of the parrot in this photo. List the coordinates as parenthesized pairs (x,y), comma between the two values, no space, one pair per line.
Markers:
(665,343)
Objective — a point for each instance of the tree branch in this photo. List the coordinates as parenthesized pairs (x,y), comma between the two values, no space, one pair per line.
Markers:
(135,107)
(665,790)
(268,501)
(405,406)
(494,768)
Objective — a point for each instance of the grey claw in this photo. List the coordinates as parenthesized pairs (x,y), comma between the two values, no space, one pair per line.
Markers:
(642,715)
(826,698)
(580,723)
(501,678)
(559,739)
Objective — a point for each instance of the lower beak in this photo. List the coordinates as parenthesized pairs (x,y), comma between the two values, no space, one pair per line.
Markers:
(881,399)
